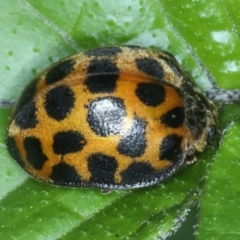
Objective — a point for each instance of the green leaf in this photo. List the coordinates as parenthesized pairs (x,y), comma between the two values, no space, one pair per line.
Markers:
(210,30)
(219,205)
(204,37)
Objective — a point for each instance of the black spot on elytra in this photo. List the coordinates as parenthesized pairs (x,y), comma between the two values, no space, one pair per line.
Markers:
(98,66)
(59,102)
(26,96)
(106,115)
(14,151)
(59,71)
(68,142)
(102,168)
(173,118)
(170,148)
(133,143)
(26,118)
(104,83)
(64,174)
(172,63)
(35,154)
(151,94)
(102,52)
(138,173)
(150,66)
(101,76)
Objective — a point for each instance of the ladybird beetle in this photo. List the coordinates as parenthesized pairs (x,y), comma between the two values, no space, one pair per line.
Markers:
(113,118)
